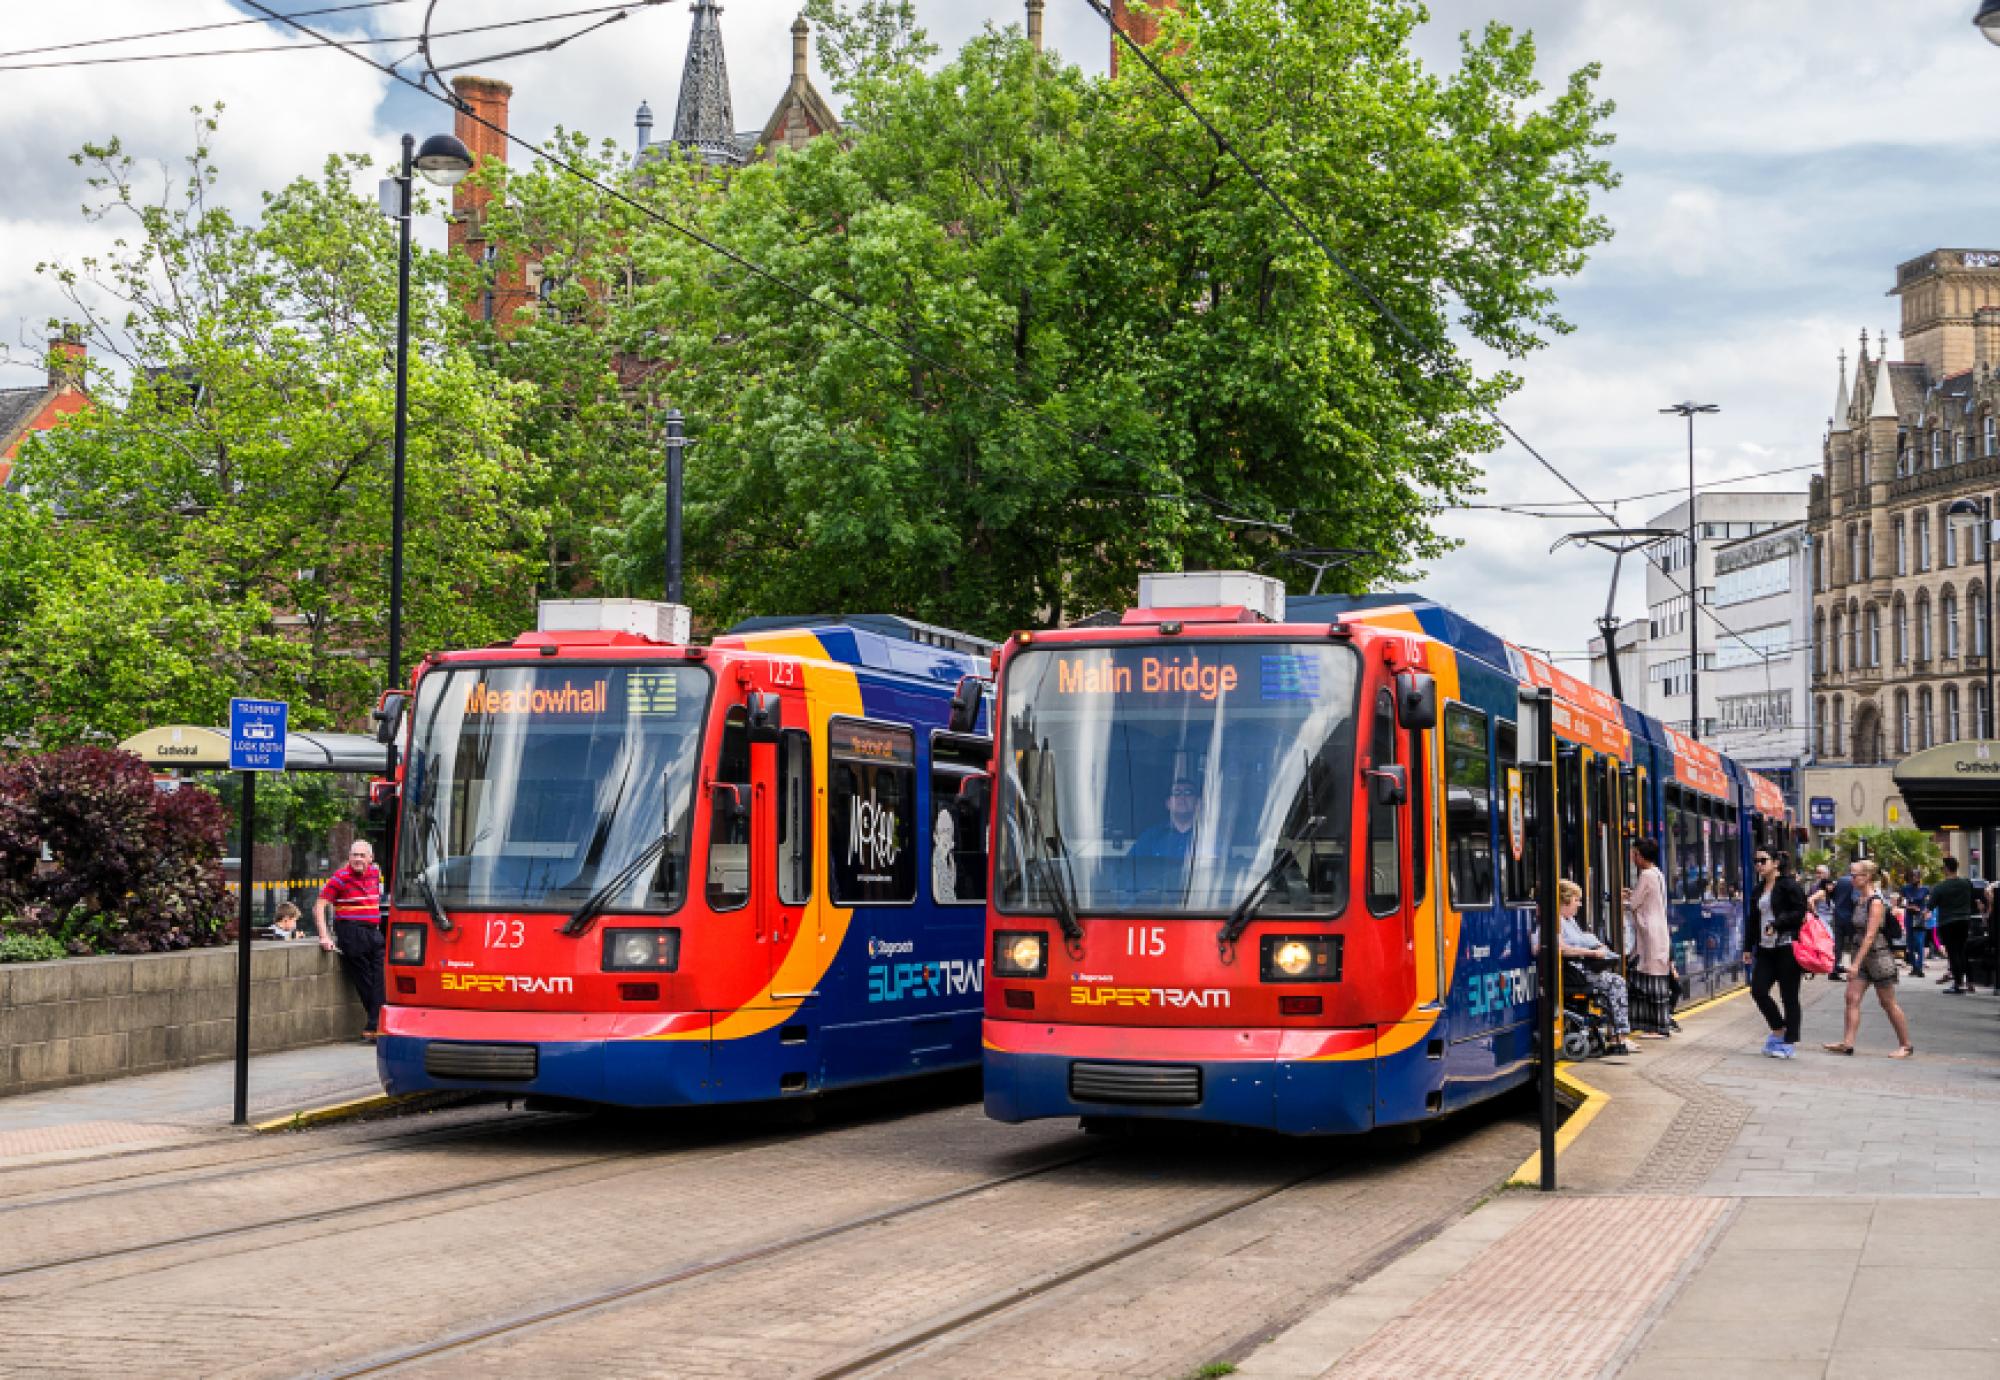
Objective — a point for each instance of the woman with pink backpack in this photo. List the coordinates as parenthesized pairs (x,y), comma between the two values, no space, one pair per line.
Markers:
(1770,927)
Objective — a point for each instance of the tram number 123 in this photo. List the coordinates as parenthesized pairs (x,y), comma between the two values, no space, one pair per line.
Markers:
(505,934)
(1145,941)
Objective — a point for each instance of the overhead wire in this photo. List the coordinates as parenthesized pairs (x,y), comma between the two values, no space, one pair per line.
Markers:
(195,29)
(365,40)
(1447,368)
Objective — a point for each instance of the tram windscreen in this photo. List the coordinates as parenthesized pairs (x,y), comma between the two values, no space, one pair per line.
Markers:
(1177,780)
(530,787)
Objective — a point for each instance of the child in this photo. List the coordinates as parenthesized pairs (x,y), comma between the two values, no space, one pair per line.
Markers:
(286,923)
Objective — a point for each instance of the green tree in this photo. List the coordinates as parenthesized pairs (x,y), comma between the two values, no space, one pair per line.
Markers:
(1079,342)
(1898,852)
(234,478)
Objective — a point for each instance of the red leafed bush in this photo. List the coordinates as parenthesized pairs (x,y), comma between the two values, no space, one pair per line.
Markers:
(130,868)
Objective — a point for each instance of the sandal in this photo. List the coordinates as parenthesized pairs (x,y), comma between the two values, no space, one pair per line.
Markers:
(1904,1052)
(1838,1049)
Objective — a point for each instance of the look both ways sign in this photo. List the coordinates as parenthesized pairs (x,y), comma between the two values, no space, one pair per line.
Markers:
(257,734)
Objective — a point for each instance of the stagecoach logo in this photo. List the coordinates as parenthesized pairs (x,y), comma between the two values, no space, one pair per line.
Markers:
(507,982)
(1517,818)
(889,948)
(1207,998)
(871,835)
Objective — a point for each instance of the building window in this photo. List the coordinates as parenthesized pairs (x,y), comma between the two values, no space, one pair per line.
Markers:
(1992,432)
(1924,720)
(1947,542)
(1854,553)
(1902,548)
(1923,625)
(1948,616)
(1819,727)
(1819,643)
(1899,634)
(1964,440)
(1874,635)
(1975,602)
(1951,734)
(1902,722)
(1937,449)
(1835,667)
(1982,713)
(1839,722)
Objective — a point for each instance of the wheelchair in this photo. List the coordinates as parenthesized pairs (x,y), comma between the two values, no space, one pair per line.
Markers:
(1587,1030)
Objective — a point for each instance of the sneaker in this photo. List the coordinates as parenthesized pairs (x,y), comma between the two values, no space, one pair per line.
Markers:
(1785,1051)
(1772,1044)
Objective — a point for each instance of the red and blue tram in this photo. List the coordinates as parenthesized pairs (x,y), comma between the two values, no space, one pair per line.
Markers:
(636,871)
(1273,868)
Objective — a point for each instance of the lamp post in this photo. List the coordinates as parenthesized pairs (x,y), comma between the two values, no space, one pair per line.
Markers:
(1688,410)
(1987,21)
(443,161)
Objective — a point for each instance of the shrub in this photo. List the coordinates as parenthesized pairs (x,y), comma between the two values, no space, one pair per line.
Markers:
(132,869)
(30,948)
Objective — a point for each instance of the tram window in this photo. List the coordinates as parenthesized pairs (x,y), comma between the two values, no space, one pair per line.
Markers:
(871,804)
(794,818)
(1385,865)
(1732,850)
(1468,778)
(960,811)
(729,817)
(1680,834)
(1569,812)
(1517,875)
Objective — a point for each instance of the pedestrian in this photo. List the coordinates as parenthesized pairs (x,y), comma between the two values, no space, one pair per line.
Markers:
(1839,897)
(1770,925)
(1953,900)
(1875,964)
(1653,981)
(1916,921)
(1577,943)
(353,897)
(285,923)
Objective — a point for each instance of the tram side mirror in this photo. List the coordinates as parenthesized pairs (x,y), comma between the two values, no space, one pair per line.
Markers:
(767,717)
(965,704)
(388,717)
(1389,785)
(726,803)
(1416,699)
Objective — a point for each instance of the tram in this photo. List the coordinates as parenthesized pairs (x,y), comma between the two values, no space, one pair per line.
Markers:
(633,870)
(1274,868)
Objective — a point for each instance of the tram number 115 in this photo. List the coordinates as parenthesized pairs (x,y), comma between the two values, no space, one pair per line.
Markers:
(1145,941)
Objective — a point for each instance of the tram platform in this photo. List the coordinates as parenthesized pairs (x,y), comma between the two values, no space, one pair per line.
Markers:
(1726,1214)
(179,1106)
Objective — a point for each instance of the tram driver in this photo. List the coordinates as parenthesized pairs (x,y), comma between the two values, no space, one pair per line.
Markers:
(1160,855)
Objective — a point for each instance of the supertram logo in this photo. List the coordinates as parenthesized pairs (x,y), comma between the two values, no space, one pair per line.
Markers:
(1492,993)
(507,982)
(949,977)
(1207,999)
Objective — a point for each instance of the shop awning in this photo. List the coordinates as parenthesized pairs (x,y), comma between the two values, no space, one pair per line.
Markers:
(1956,786)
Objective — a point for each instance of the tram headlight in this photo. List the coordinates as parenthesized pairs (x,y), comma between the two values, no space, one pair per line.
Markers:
(406,944)
(1020,953)
(641,951)
(1301,958)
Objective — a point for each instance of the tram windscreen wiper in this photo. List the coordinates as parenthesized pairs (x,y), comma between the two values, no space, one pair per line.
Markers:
(1046,870)
(593,906)
(431,853)
(1246,909)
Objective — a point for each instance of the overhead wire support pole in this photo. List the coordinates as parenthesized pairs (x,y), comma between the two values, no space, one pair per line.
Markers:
(1538,742)
(1620,542)
(1688,410)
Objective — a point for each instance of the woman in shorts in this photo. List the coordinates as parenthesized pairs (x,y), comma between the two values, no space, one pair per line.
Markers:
(1874,965)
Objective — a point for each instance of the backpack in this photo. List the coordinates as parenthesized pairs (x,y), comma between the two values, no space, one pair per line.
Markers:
(1813,948)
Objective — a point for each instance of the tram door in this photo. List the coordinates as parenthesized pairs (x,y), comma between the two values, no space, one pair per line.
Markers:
(1606,872)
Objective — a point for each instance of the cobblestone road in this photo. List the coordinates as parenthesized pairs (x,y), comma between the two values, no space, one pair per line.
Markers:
(489,1231)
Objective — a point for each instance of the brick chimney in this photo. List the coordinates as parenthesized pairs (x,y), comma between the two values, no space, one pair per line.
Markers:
(1035,25)
(482,127)
(1144,28)
(67,354)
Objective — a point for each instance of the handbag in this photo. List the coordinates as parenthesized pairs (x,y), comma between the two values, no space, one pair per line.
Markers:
(1813,948)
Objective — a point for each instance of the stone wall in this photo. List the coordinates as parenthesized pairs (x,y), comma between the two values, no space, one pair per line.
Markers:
(80,1020)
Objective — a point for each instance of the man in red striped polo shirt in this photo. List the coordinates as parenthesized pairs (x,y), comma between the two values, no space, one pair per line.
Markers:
(353,896)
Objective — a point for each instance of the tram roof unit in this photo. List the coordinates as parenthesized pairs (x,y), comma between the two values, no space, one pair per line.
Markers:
(875,641)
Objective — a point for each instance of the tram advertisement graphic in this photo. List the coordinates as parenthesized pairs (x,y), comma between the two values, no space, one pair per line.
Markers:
(1517,818)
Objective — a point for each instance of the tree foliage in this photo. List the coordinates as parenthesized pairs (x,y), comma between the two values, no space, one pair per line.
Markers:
(226,502)
(1897,852)
(1057,336)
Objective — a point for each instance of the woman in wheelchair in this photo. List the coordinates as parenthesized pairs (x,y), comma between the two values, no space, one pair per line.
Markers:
(1588,957)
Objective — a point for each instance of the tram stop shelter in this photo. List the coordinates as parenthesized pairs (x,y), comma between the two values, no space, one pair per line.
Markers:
(193,748)
(1956,787)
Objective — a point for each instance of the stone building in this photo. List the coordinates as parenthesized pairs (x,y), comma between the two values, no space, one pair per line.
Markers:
(1900,610)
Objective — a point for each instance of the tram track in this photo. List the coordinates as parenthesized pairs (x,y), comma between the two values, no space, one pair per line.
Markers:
(446,1197)
(240,1165)
(623,1293)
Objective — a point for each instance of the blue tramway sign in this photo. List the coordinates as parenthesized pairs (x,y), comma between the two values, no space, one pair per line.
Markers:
(257,734)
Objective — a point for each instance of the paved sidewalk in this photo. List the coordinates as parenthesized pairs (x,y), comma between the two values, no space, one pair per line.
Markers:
(1726,1215)
(179,1105)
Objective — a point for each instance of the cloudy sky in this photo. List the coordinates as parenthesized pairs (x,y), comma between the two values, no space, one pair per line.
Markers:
(1779,157)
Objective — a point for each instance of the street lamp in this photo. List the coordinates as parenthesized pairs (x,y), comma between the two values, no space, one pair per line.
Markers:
(443,161)
(1987,21)
(1688,410)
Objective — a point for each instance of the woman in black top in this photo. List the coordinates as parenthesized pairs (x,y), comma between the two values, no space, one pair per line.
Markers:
(1770,923)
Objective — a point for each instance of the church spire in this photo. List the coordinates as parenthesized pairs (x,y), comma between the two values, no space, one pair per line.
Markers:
(1841,403)
(704,121)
